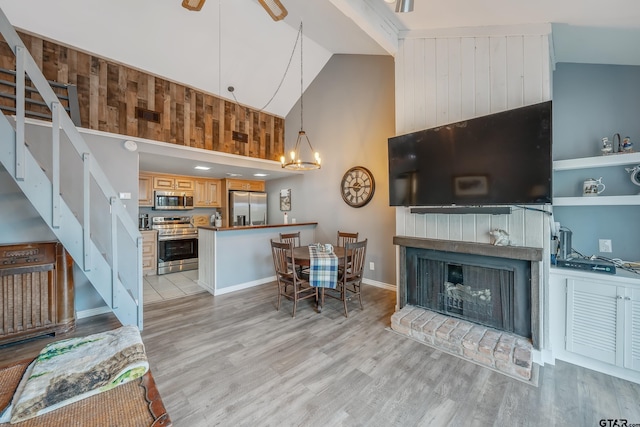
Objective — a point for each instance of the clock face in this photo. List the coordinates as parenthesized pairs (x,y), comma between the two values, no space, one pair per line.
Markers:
(357,186)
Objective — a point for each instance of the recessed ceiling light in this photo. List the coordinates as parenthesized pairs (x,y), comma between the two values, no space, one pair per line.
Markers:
(260,174)
(202,168)
(233,174)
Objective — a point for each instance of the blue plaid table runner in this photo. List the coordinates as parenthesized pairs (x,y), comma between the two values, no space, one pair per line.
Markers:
(323,268)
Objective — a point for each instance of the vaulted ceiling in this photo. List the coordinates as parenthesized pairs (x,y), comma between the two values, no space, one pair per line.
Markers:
(236,43)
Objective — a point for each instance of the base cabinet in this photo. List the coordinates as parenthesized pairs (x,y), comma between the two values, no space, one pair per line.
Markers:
(632,329)
(149,252)
(602,319)
(36,291)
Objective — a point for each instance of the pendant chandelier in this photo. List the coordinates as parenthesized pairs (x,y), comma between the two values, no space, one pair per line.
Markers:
(296,161)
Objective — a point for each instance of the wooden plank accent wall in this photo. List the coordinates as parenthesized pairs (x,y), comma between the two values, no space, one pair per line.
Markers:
(109,92)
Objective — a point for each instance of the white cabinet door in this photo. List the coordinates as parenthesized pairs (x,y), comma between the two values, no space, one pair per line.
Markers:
(594,320)
(632,329)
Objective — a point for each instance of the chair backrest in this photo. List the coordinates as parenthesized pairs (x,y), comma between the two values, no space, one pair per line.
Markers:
(354,254)
(344,238)
(291,238)
(282,251)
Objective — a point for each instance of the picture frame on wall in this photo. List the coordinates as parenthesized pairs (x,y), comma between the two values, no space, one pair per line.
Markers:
(285,200)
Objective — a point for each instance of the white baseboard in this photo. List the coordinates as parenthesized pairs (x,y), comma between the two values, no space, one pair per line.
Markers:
(82,314)
(377,284)
(547,357)
(262,281)
(242,286)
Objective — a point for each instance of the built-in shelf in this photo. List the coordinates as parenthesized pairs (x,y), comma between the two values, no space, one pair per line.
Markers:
(596,162)
(597,201)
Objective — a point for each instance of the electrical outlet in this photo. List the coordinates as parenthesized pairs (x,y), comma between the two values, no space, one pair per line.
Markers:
(372,266)
(605,245)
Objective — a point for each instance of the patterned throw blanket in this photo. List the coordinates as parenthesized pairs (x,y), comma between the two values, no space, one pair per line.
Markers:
(323,268)
(70,370)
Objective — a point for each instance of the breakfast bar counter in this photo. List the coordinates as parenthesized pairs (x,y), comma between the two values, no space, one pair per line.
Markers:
(235,258)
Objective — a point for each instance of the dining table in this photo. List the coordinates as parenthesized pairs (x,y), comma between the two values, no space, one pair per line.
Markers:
(302,257)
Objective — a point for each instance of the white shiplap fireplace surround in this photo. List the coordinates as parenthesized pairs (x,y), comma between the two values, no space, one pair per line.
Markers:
(448,75)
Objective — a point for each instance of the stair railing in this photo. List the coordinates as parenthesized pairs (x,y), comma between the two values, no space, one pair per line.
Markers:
(26,66)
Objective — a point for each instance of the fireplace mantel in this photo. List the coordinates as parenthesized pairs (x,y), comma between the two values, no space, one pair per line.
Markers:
(512,252)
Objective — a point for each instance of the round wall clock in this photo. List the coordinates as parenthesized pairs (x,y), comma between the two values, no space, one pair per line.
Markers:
(357,186)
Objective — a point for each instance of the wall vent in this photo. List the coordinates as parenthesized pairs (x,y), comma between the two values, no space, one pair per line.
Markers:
(148,115)
(240,136)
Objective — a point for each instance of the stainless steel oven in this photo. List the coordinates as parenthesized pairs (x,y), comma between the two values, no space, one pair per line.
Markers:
(177,244)
(172,200)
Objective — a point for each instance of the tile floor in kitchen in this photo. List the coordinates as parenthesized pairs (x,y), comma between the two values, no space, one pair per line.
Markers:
(170,286)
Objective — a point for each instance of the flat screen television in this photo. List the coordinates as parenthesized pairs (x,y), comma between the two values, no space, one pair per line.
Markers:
(498,159)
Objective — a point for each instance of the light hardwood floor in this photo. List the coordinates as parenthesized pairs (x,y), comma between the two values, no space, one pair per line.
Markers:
(233,360)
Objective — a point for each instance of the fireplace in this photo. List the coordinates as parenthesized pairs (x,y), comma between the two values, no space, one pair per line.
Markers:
(494,286)
(490,291)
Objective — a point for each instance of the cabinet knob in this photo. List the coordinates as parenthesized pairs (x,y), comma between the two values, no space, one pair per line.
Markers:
(619,296)
(627,298)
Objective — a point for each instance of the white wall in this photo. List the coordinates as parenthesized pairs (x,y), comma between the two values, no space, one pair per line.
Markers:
(593,101)
(446,79)
(348,116)
(443,79)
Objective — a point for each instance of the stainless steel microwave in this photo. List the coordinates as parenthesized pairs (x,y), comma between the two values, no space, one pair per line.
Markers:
(172,200)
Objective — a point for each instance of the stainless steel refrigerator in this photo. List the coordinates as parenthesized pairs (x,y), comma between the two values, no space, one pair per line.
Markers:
(247,208)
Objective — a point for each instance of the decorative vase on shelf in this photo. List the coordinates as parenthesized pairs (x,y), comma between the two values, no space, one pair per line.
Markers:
(607,146)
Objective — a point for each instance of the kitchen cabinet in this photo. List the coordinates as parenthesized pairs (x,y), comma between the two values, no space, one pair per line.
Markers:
(245,184)
(632,329)
(207,193)
(149,252)
(172,182)
(603,320)
(145,190)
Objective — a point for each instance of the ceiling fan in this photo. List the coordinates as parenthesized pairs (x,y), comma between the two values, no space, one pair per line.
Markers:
(274,8)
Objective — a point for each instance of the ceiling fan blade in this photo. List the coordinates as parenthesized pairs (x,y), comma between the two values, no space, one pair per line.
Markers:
(193,4)
(274,8)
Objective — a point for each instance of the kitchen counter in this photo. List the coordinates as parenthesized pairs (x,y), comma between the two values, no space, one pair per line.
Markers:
(235,258)
(255,227)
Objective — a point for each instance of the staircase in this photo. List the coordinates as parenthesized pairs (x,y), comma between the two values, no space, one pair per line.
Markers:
(111,256)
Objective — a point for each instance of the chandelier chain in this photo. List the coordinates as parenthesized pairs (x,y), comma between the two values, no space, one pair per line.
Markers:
(286,71)
(301,80)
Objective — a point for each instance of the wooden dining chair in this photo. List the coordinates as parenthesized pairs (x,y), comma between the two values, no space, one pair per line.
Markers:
(350,278)
(287,276)
(294,238)
(291,237)
(344,237)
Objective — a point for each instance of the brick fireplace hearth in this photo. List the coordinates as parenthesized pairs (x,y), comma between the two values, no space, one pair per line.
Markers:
(502,351)
(428,313)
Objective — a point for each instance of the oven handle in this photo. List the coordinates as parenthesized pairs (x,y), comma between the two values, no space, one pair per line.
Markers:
(180,237)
